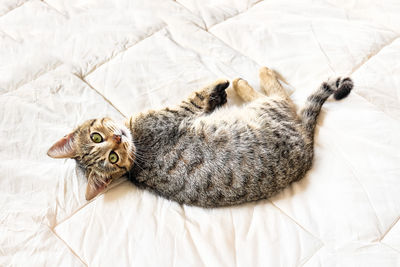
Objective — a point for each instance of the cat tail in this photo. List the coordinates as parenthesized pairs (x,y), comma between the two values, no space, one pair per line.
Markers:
(340,88)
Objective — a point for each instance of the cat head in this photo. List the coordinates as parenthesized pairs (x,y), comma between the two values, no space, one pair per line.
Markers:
(102,147)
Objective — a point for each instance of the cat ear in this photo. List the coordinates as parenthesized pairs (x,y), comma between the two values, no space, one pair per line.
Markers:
(63,148)
(96,184)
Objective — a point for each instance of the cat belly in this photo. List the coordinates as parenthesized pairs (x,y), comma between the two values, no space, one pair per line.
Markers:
(226,165)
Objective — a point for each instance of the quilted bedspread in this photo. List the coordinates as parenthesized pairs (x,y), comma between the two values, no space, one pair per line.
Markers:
(65,61)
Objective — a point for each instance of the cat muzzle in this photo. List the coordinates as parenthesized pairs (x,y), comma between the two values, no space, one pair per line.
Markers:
(117,138)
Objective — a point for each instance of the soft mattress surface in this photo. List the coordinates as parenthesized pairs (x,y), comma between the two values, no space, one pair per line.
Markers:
(62,62)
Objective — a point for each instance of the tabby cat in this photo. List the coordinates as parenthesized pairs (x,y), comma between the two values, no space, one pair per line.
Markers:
(200,154)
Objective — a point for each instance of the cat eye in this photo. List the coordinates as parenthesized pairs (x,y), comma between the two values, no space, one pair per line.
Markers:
(96,137)
(113,157)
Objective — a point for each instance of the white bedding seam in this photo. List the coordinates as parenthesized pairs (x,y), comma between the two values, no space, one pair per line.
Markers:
(320,48)
(348,10)
(312,255)
(65,243)
(190,236)
(389,246)
(55,9)
(113,184)
(237,14)
(97,91)
(234,238)
(120,52)
(248,57)
(297,223)
(376,107)
(55,66)
(11,37)
(74,212)
(304,229)
(192,49)
(15,7)
(360,65)
(353,172)
(188,10)
(389,229)
(208,28)
(373,54)
(227,45)
(322,51)
(352,71)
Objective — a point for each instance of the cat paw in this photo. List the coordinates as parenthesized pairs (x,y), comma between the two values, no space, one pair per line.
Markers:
(217,95)
(236,83)
(342,86)
(336,83)
(266,73)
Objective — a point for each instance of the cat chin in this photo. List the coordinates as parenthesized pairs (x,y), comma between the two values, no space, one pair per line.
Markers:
(126,134)
(127,138)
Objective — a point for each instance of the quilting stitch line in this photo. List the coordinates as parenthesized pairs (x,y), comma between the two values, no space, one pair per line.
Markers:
(229,46)
(98,92)
(70,249)
(234,237)
(342,155)
(10,37)
(243,55)
(312,255)
(373,54)
(333,4)
(55,9)
(122,51)
(355,68)
(320,48)
(114,184)
(231,17)
(299,225)
(15,7)
(389,229)
(55,66)
(376,106)
(188,10)
(280,77)
(191,240)
(390,247)
(304,229)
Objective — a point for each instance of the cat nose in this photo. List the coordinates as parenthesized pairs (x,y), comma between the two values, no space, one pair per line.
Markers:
(117,138)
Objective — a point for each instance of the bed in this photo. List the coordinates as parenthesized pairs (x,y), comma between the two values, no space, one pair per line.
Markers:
(62,62)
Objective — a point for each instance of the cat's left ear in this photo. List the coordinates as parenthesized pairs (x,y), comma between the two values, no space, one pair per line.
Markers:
(63,148)
(96,184)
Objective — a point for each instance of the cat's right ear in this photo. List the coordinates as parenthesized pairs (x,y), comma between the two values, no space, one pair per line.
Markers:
(63,148)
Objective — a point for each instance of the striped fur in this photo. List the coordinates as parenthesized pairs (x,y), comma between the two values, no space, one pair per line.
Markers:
(339,87)
(202,153)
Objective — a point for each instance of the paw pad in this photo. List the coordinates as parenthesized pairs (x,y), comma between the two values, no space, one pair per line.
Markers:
(344,87)
(218,96)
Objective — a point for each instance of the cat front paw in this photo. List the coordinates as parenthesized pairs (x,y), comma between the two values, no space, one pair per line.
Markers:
(217,95)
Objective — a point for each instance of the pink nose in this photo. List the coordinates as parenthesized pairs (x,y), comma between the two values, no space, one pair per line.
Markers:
(117,138)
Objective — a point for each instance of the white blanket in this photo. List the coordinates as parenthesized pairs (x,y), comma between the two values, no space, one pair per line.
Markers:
(65,61)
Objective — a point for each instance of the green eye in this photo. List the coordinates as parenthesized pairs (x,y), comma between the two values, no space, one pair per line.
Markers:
(96,137)
(113,157)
